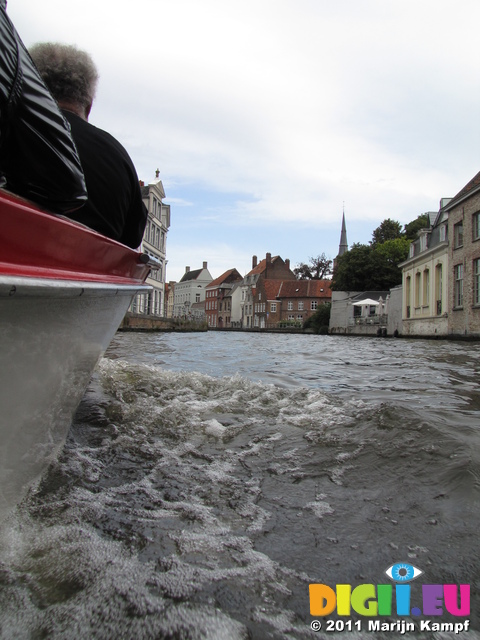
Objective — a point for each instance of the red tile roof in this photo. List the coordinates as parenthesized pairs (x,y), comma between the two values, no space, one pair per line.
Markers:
(221,279)
(272,288)
(261,266)
(297,289)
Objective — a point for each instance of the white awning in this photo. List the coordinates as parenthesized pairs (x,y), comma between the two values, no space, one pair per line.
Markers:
(367,301)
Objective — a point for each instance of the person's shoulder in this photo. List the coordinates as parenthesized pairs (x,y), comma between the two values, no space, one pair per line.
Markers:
(108,139)
(85,128)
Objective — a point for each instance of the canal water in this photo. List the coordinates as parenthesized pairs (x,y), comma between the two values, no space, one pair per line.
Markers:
(209,478)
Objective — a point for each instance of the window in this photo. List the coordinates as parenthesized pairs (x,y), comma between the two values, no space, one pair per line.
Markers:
(458,235)
(408,281)
(458,292)
(438,287)
(290,305)
(300,305)
(476,281)
(443,233)
(423,242)
(273,307)
(476,226)
(197,297)
(313,305)
(417,289)
(426,287)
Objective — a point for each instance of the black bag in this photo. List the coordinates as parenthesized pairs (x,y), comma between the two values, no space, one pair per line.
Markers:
(38,158)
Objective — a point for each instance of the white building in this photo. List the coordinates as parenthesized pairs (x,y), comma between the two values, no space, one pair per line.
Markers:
(191,291)
(154,244)
(237,296)
(425,279)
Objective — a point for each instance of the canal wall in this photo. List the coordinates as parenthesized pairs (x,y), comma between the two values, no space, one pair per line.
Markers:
(139,322)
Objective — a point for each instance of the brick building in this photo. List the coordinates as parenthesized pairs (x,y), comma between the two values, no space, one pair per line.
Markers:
(254,294)
(293,301)
(218,303)
(464,261)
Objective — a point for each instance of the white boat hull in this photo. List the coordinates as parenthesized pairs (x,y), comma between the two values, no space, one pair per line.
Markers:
(53,334)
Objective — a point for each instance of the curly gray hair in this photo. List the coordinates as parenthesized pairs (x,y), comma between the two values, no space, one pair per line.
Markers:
(69,73)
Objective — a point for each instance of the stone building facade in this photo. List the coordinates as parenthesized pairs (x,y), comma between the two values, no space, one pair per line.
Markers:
(154,244)
(425,280)
(189,293)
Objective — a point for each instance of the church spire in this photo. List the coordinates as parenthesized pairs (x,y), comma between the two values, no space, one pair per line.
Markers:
(343,236)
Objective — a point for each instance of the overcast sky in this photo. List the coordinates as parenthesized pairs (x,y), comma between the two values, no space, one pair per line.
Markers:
(266,117)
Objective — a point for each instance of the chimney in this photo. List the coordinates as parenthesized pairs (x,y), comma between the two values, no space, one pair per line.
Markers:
(268,258)
(187,269)
(287,263)
(204,265)
(254,262)
(141,183)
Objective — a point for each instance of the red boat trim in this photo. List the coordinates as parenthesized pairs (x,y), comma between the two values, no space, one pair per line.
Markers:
(37,244)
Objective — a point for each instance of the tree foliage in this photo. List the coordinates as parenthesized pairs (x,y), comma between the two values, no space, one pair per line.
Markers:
(374,266)
(412,228)
(316,269)
(387,230)
(370,267)
(320,319)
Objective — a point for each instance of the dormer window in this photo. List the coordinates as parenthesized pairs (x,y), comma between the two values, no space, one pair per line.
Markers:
(423,242)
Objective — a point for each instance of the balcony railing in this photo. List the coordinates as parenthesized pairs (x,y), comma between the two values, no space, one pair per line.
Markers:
(366,320)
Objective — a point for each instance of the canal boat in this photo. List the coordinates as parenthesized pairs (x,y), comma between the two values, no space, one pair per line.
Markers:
(64,290)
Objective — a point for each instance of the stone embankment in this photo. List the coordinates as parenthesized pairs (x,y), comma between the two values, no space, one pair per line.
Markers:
(139,322)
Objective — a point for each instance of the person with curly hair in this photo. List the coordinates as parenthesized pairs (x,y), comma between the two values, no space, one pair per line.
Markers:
(114,207)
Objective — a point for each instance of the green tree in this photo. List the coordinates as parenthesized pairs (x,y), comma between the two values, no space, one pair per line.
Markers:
(370,267)
(386,258)
(354,269)
(387,230)
(316,269)
(412,228)
(320,319)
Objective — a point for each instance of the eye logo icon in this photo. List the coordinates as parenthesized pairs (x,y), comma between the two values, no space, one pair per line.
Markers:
(403,572)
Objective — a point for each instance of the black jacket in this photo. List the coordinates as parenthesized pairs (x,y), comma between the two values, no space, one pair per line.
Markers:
(114,207)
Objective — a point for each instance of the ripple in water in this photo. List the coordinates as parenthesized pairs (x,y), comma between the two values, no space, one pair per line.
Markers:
(191,506)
